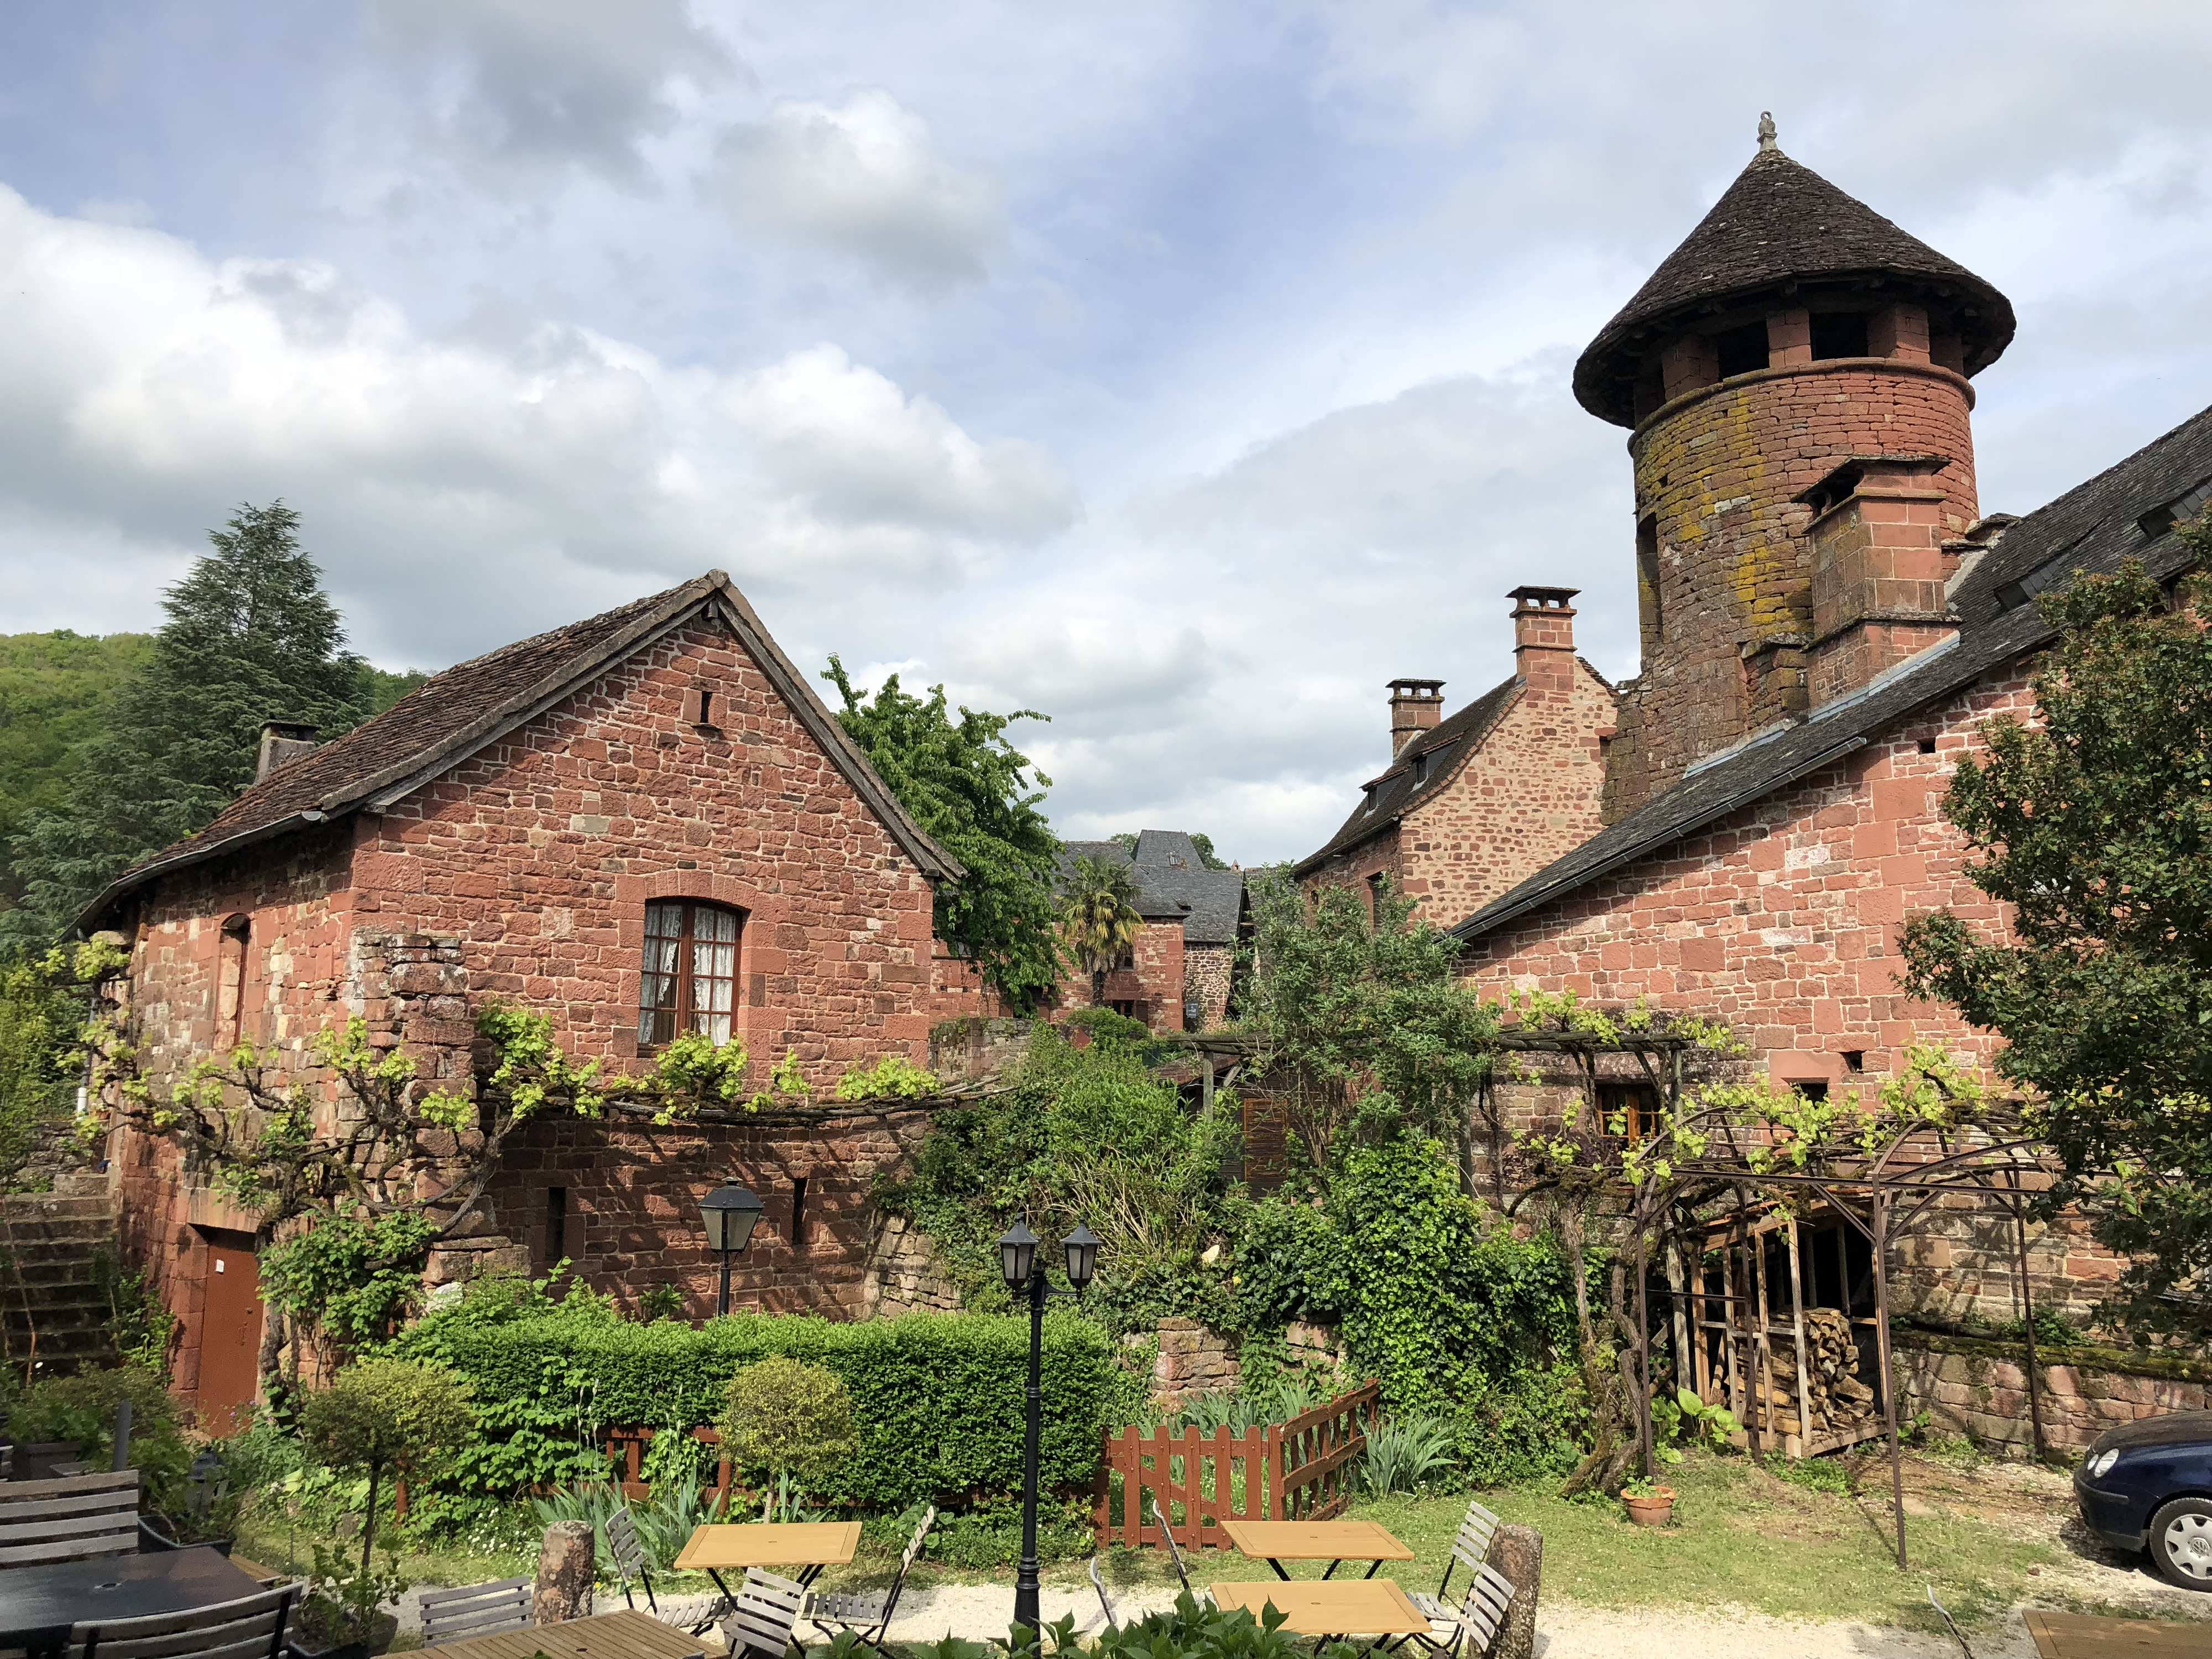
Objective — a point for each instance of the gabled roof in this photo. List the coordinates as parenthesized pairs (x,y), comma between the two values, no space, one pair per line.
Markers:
(1781,223)
(1210,903)
(1426,767)
(454,715)
(2127,510)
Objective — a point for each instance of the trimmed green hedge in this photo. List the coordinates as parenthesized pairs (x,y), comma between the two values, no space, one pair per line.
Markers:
(937,1398)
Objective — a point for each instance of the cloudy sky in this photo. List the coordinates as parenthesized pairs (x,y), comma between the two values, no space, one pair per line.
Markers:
(1183,371)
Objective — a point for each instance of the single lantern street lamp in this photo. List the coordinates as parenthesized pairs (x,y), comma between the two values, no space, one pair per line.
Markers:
(1024,1271)
(731,1213)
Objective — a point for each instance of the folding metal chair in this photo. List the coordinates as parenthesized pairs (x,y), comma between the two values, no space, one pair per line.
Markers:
(1474,1624)
(1105,1606)
(623,1544)
(475,1610)
(1167,1536)
(869,1616)
(1470,1549)
(764,1615)
(252,1627)
(71,1518)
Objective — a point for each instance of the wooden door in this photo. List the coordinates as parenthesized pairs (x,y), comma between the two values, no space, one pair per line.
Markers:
(230,1334)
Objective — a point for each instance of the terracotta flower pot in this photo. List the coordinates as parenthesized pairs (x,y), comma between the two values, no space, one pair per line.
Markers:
(1657,1510)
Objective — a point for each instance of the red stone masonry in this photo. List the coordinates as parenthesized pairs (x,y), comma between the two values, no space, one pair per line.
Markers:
(1782,920)
(1725,565)
(522,873)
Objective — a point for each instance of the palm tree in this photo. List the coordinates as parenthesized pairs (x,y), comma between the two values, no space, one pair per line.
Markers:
(1099,906)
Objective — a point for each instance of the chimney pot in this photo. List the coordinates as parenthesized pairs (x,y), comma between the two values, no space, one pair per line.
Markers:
(281,741)
(1416,706)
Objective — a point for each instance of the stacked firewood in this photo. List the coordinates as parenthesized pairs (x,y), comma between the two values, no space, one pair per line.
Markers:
(1840,1400)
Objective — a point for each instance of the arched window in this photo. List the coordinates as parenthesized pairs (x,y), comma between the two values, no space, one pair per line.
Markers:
(690,978)
(230,981)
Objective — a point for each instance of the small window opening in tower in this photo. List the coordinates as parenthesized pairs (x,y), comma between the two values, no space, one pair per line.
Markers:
(1838,334)
(1647,571)
(1854,1060)
(799,1213)
(1926,745)
(1740,350)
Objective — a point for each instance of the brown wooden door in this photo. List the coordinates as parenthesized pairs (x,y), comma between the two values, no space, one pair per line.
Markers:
(230,1336)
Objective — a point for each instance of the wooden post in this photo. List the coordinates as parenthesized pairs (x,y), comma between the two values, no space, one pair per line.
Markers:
(1797,1326)
(1518,1553)
(565,1571)
(1644,1348)
(1685,1371)
(2027,1323)
(1762,1351)
(1882,1348)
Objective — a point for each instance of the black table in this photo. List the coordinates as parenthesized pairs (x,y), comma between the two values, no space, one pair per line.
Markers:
(38,1605)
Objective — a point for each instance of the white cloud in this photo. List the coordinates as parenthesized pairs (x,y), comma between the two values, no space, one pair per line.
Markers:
(461,491)
(1213,651)
(529,83)
(864,179)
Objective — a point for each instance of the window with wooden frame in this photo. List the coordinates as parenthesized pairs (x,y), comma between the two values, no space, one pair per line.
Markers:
(691,977)
(1628,1111)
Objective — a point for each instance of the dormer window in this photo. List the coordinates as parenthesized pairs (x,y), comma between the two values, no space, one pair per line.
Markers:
(1367,803)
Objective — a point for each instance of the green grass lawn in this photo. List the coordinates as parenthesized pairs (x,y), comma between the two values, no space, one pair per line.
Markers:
(1740,1537)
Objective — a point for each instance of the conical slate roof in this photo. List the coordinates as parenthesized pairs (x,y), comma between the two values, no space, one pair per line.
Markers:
(1782,222)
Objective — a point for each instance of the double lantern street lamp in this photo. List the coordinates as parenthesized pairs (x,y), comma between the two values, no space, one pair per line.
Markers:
(731,1213)
(1024,1269)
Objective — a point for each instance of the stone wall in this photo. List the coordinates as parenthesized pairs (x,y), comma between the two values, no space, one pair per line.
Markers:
(1528,795)
(902,1274)
(1205,975)
(965,1047)
(1192,1360)
(1782,919)
(1725,570)
(1979,1389)
(523,874)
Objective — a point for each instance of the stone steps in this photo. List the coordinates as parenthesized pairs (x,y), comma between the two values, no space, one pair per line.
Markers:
(51,1305)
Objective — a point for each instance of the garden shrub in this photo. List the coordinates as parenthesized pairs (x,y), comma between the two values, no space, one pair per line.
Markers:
(1091,1135)
(1107,1024)
(790,1418)
(1431,1293)
(937,1399)
(80,1411)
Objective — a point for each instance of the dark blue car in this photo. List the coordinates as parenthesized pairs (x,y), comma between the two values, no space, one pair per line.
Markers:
(2147,1485)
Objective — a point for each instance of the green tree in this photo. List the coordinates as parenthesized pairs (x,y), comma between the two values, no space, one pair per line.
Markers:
(250,637)
(792,1418)
(2092,823)
(54,692)
(970,791)
(1364,1014)
(1098,907)
(44,1001)
(382,1416)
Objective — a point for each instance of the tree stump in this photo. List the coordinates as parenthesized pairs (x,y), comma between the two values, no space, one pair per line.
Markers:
(566,1569)
(1518,1553)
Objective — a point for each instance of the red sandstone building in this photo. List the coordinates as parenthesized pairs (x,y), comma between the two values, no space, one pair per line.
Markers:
(1175,976)
(640,824)
(1827,618)
(1471,805)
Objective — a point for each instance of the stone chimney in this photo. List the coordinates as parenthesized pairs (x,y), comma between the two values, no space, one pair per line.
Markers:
(1544,640)
(281,741)
(1881,562)
(1416,706)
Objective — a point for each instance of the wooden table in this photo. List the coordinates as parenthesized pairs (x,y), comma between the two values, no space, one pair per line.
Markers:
(623,1634)
(38,1604)
(1333,1541)
(1344,1606)
(2076,1636)
(809,1546)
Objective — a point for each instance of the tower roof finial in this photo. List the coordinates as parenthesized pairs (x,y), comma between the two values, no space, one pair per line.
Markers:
(1767,145)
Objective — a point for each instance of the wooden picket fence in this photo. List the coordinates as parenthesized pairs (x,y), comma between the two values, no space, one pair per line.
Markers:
(1300,1470)
(625,1449)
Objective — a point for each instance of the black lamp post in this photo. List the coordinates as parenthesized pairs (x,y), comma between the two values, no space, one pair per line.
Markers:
(1024,1270)
(729,1212)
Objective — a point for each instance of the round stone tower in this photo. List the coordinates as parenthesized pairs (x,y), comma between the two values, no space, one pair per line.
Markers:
(1796,344)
